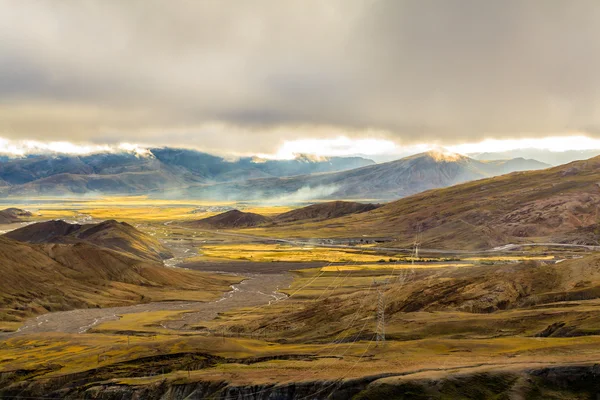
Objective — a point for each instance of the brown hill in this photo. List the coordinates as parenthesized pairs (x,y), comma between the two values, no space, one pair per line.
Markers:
(518,207)
(231,219)
(111,234)
(12,215)
(323,211)
(528,299)
(52,277)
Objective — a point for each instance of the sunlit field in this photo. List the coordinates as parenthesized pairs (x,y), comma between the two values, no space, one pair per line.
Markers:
(135,208)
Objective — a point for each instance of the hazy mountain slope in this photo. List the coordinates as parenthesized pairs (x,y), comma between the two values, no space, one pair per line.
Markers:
(390,180)
(545,156)
(152,171)
(216,168)
(323,211)
(229,220)
(523,206)
(53,277)
(20,171)
(501,167)
(12,215)
(110,234)
(124,183)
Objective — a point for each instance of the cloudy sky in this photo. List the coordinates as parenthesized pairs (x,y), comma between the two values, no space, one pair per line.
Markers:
(275,77)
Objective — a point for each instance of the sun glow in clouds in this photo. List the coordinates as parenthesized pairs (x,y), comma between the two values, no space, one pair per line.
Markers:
(326,147)
(340,146)
(344,146)
(554,143)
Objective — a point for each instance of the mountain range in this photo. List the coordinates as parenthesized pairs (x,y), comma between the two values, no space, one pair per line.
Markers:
(391,180)
(168,172)
(543,155)
(157,170)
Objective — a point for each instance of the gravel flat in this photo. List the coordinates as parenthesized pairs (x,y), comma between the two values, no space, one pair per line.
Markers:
(257,289)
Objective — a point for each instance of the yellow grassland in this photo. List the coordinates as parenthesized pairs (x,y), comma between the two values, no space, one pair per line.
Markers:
(78,353)
(388,267)
(288,253)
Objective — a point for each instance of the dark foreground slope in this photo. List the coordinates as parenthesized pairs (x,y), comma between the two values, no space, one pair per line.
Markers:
(524,382)
(54,277)
(557,204)
(119,236)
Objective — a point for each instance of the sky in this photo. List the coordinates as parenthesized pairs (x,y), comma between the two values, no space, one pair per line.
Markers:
(282,77)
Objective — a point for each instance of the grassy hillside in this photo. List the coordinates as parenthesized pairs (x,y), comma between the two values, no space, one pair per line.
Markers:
(518,207)
(119,236)
(53,277)
(527,299)
(230,220)
(323,211)
(12,215)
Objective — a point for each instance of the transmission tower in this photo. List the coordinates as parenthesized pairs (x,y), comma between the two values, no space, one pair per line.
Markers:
(416,245)
(380,317)
(380,330)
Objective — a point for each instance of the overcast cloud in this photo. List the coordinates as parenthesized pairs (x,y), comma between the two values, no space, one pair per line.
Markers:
(247,76)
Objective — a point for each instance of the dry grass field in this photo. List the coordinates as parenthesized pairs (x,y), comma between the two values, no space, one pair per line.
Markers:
(484,319)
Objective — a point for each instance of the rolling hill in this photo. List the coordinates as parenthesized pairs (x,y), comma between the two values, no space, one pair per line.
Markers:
(529,299)
(230,220)
(12,215)
(547,156)
(118,236)
(54,277)
(324,211)
(391,180)
(557,204)
(235,219)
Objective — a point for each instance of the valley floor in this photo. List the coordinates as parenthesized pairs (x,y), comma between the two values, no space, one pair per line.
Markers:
(302,324)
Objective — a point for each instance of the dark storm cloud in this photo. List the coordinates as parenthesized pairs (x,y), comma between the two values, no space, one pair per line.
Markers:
(248,75)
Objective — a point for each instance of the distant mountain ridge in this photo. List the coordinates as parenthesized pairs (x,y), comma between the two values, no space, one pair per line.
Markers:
(159,169)
(188,173)
(546,156)
(391,180)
